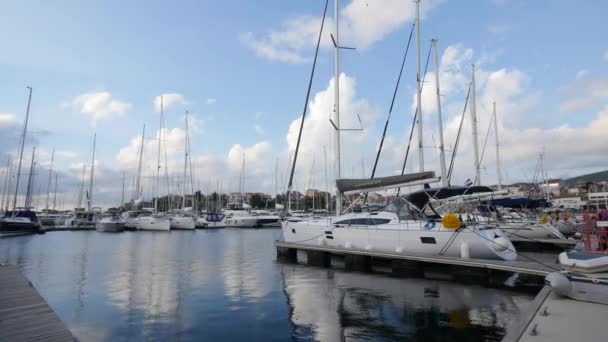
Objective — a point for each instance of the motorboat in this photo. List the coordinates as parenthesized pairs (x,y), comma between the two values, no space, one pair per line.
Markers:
(148,220)
(409,224)
(19,221)
(85,219)
(212,221)
(239,218)
(111,222)
(179,221)
(51,218)
(266,218)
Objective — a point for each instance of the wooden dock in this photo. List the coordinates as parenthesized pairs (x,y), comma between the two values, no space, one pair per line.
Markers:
(406,264)
(24,314)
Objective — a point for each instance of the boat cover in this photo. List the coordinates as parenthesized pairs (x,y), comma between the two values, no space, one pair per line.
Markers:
(366,184)
(422,197)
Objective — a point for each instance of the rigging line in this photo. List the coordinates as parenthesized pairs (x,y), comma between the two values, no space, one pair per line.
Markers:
(312,73)
(453,159)
(407,151)
(390,111)
(483,150)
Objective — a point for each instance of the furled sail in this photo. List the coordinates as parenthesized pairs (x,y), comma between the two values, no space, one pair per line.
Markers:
(383,183)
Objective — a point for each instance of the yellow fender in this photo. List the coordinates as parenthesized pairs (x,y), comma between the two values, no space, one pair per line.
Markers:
(450,221)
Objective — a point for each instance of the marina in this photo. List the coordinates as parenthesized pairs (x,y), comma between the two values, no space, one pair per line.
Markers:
(164,182)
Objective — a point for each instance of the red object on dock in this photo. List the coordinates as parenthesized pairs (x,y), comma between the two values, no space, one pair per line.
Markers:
(595,230)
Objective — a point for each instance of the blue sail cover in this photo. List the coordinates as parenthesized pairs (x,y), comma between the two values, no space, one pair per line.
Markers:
(520,203)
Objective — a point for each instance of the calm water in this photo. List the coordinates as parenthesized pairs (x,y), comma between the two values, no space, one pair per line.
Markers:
(227,285)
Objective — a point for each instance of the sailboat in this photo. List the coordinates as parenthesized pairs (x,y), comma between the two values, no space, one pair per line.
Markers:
(22,219)
(146,219)
(409,224)
(179,219)
(86,219)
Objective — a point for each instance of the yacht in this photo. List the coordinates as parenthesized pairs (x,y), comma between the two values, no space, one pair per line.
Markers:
(212,221)
(180,221)
(51,218)
(239,218)
(266,218)
(409,224)
(110,222)
(148,220)
(19,221)
(84,219)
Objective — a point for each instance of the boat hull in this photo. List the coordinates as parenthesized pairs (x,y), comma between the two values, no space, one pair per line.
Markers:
(182,223)
(145,223)
(7,225)
(241,222)
(113,227)
(414,239)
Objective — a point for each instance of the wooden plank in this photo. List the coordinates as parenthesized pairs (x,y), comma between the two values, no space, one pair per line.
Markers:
(24,315)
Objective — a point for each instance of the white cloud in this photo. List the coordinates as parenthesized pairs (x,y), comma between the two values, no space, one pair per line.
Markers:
(99,106)
(259,129)
(7,119)
(66,154)
(318,133)
(362,23)
(576,104)
(211,100)
(582,73)
(169,100)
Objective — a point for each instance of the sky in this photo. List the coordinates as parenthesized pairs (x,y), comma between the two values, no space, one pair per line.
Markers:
(241,69)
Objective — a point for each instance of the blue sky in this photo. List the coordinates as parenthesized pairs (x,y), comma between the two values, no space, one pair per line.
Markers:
(208,52)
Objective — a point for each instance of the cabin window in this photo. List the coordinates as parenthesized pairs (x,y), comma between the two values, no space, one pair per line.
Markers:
(426,239)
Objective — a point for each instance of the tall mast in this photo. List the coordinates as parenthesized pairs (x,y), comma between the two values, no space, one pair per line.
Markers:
(84,170)
(141,155)
(122,197)
(90,202)
(7,184)
(326,182)
(419,90)
(55,193)
(337,161)
(243,181)
(28,192)
(276,183)
(474,123)
(160,135)
(497,147)
(48,187)
(185,166)
(444,174)
(27,116)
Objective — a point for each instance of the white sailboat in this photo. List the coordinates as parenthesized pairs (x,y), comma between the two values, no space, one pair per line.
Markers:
(146,219)
(407,225)
(86,219)
(179,219)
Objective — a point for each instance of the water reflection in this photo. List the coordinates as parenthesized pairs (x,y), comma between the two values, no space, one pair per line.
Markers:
(335,305)
(226,285)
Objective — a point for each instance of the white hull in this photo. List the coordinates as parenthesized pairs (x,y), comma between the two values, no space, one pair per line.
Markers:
(407,237)
(151,223)
(530,231)
(110,226)
(241,222)
(182,223)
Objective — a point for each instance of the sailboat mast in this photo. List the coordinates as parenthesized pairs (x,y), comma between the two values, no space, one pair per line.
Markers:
(419,91)
(7,184)
(326,182)
(28,192)
(160,135)
(55,193)
(48,187)
(243,183)
(27,116)
(139,162)
(276,183)
(337,139)
(84,171)
(90,202)
(122,197)
(444,178)
(185,166)
(497,147)
(474,123)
